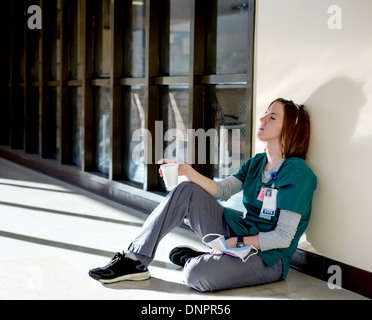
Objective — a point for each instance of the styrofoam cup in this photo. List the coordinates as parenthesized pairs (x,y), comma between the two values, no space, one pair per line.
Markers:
(170,174)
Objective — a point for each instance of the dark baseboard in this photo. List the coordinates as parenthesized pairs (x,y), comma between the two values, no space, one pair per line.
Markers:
(353,279)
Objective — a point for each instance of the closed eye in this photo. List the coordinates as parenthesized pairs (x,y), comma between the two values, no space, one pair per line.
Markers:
(273,115)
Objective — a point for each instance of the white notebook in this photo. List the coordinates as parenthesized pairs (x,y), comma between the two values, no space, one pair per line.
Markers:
(219,243)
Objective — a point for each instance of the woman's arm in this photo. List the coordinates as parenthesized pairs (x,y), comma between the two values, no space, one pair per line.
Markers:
(280,237)
(283,234)
(228,187)
(248,241)
(190,173)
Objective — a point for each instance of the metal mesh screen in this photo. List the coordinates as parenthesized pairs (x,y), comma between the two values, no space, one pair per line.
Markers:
(226,107)
(101,136)
(134,124)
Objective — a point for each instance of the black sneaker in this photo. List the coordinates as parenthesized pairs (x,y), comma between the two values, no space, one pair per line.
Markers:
(120,268)
(179,255)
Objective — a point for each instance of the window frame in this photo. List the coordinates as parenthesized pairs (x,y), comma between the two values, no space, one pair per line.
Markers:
(45,141)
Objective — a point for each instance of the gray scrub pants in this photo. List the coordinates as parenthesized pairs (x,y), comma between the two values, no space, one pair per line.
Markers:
(204,215)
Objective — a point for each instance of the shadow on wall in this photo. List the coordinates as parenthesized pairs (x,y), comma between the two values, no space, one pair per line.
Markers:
(337,160)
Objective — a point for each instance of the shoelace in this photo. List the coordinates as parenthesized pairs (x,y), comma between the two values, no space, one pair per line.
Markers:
(117,257)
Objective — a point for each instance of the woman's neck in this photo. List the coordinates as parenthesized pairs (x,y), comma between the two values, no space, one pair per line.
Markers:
(274,156)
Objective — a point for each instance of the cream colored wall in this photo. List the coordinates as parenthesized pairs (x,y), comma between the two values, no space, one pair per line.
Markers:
(299,57)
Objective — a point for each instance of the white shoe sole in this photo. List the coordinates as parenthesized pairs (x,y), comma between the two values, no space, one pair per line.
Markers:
(129,277)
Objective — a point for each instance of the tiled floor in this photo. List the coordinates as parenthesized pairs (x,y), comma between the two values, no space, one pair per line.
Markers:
(52,233)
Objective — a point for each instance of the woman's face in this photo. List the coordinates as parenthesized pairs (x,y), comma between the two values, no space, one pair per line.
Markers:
(271,123)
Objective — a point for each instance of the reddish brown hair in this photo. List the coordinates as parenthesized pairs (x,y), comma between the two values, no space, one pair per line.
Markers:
(295,135)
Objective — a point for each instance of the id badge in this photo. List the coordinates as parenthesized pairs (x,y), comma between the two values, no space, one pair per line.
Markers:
(269,203)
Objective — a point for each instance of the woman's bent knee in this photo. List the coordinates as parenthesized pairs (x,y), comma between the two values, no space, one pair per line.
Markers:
(188,185)
(195,275)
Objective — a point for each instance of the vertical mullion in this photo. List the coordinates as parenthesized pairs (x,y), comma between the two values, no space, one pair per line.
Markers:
(4,120)
(116,99)
(127,39)
(197,59)
(31,110)
(249,86)
(211,38)
(26,88)
(11,75)
(16,111)
(163,40)
(44,71)
(65,130)
(87,61)
(151,90)
(46,42)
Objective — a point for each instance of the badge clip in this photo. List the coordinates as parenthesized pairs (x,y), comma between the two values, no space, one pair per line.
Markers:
(273,177)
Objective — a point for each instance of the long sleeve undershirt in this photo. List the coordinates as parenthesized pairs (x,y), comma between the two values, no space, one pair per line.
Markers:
(285,230)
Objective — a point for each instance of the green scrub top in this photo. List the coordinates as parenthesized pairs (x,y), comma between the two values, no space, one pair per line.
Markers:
(296,184)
